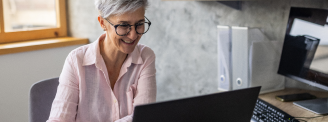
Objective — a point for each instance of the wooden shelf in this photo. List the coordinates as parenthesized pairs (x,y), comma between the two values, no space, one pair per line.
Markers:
(17,47)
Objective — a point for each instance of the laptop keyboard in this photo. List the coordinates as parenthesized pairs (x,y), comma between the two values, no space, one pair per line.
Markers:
(265,112)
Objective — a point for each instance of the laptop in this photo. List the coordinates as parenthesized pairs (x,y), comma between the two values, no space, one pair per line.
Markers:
(231,106)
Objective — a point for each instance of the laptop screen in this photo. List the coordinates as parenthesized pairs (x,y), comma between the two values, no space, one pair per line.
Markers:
(231,106)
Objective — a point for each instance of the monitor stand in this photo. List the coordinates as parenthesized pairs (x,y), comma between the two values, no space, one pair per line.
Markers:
(318,106)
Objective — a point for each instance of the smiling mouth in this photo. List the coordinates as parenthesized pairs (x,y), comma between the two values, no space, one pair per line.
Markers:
(128,42)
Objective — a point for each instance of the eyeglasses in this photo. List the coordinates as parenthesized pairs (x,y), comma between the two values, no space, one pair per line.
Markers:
(124,29)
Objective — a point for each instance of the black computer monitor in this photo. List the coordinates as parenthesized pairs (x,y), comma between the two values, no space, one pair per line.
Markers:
(304,55)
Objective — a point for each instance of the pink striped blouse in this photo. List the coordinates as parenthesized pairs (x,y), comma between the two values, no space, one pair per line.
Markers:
(84,93)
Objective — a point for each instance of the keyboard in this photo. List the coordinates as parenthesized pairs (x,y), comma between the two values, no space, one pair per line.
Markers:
(265,112)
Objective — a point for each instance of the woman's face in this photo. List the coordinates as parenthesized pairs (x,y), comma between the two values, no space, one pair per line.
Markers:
(127,43)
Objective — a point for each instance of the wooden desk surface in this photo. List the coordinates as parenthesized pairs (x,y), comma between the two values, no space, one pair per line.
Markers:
(292,109)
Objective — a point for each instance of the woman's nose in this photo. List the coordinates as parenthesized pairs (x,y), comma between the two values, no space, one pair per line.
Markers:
(132,34)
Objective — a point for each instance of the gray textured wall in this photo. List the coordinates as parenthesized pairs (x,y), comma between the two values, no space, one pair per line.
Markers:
(183,36)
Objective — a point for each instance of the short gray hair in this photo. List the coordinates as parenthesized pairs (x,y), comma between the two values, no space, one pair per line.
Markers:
(107,8)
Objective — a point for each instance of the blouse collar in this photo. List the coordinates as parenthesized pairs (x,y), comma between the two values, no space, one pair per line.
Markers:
(93,56)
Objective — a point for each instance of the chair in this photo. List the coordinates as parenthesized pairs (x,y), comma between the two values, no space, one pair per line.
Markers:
(42,95)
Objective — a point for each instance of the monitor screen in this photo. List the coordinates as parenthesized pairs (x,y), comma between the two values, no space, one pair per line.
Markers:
(305,51)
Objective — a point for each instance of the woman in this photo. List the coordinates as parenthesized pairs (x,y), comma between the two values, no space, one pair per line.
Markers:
(104,80)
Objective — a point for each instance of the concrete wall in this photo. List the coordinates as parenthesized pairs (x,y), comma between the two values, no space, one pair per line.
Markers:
(183,36)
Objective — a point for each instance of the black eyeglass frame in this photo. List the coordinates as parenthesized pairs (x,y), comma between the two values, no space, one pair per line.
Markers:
(115,26)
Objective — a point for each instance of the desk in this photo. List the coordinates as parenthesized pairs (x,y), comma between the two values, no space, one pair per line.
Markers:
(292,109)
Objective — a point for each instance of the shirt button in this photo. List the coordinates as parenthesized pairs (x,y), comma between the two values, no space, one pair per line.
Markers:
(115,101)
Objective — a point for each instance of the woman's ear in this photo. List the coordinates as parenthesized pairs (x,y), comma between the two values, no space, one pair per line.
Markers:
(101,22)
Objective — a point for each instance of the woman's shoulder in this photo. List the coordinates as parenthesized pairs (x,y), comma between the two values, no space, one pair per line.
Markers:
(145,51)
(80,51)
